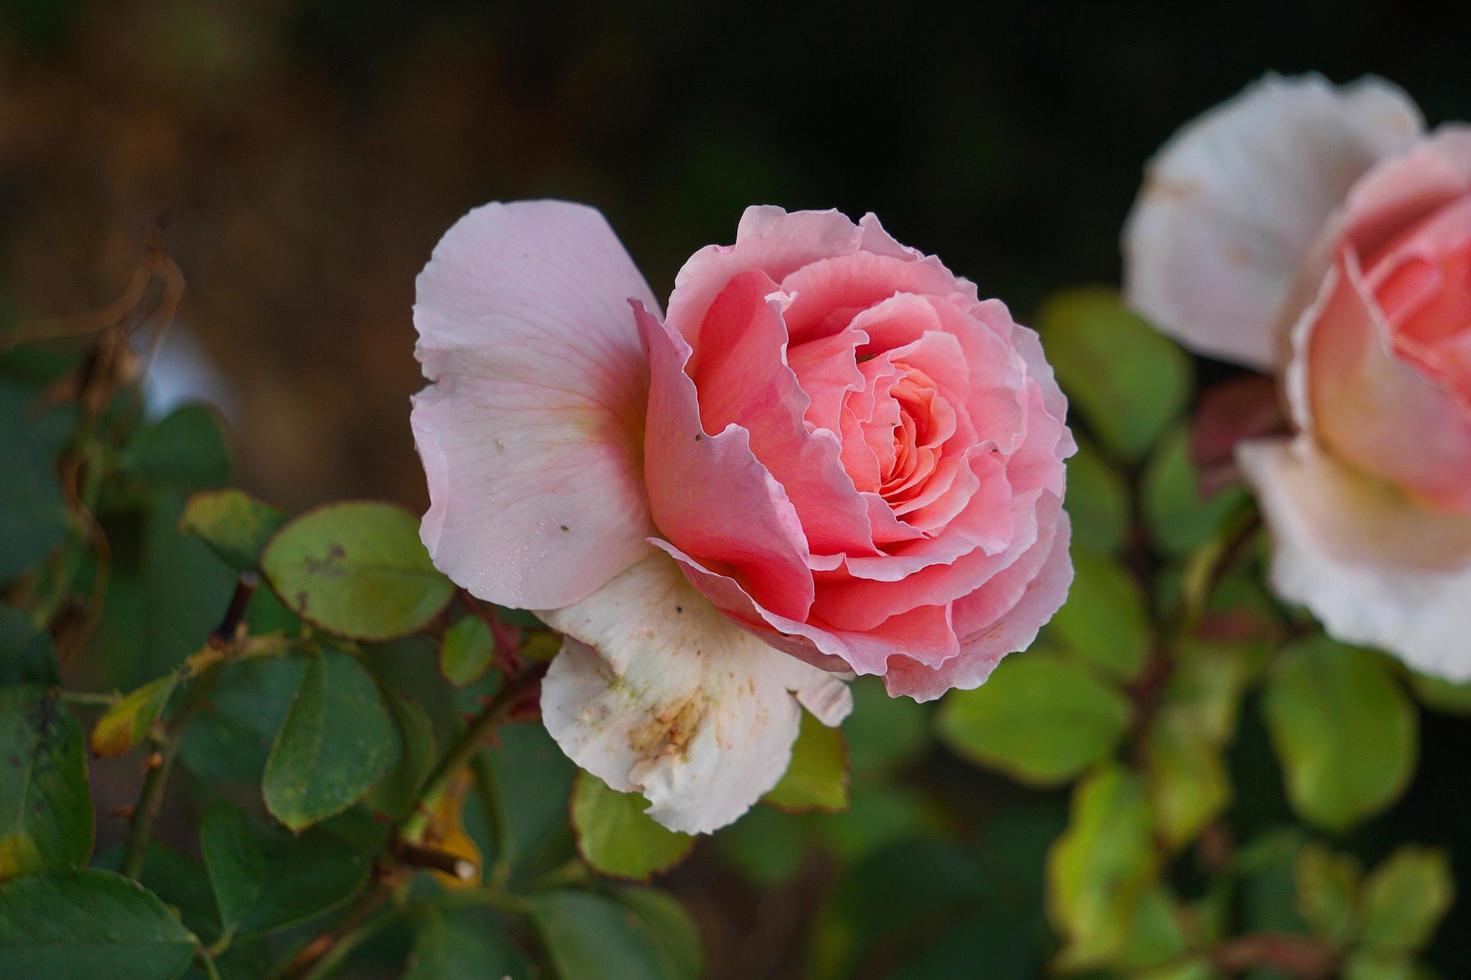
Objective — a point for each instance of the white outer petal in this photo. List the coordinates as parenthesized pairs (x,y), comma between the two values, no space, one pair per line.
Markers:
(1374,567)
(655,691)
(1234,201)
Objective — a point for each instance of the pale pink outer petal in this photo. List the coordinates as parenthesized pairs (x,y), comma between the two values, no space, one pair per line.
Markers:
(1374,567)
(1374,410)
(529,433)
(1233,202)
(656,692)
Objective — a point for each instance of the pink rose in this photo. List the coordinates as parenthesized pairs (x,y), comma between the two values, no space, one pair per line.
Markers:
(831,449)
(1318,232)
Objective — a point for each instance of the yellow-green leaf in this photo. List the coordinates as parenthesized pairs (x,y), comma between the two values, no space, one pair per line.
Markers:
(817,777)
(616,837)
(126,723)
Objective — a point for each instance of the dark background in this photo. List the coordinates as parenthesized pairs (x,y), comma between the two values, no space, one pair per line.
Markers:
(303,157)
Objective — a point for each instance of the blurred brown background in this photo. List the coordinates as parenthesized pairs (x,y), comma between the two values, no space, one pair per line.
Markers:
(303,156)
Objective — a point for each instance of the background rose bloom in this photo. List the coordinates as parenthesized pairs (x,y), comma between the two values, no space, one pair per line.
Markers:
(1316,231)
(831,444)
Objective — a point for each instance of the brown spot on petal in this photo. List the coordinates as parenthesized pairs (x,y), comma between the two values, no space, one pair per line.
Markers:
(669,731)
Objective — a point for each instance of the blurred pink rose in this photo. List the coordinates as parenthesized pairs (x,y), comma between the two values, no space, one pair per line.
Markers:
(831,447)
(1317,232)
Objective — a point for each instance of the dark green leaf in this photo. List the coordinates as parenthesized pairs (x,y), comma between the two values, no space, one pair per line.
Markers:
(1126,379)
(231,737)
(883,733)
(337,741)
(817,777)
(357,569)
(466,651)
(532,782)
(677,935)
(185,450)
(591,937)
(1104,620)
(46,820)
(765,845)
(233,523)
(616,837)
(265,879)
(399,788)
(93,924)
(464,944)
(33,514)
(27,655)
(1343,728)
(1039,718)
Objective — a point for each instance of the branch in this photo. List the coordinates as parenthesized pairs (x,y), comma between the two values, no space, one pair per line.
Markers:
(1297,956)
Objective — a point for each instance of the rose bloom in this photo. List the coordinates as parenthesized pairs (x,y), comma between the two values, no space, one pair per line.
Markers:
(830,457)
(1317,232)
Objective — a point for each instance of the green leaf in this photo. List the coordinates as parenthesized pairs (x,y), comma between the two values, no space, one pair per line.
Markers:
(265,879)
(1126,379)
(1104,620)
(1442,695)
(185,450)
(817,777)
(1101,866)
(1097,501)
(532,781)
(33,514)
(1327,888)
(357,569)
(592,937)
(876,817)
(1039,718)
(466,651)
(234,524)
(765,845)
(1344,730)
(883,733)
(27,655)
(1179,518)
(1156,935)
(463,944)
(1268,866)
(399,788)
(616,837)
(46,819)
(1378,964)
(1405,898)
(89,924)
(1188,786)
(337,741)
(1205,687)
(675,931)
(127,723)
(230,739)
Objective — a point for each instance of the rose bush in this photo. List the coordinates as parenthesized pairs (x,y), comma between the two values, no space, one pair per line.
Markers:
(1317,232)
(830,457)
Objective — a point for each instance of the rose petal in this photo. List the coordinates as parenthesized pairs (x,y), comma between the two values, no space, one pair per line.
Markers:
(1372,566)
(1233,202)
(529,433)
(655,692)
(755,531)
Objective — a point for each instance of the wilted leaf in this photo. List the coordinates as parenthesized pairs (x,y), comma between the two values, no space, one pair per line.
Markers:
(337,741)
(1343,728)
(1039,718)
(616,837)
(127,723)
(357,569)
